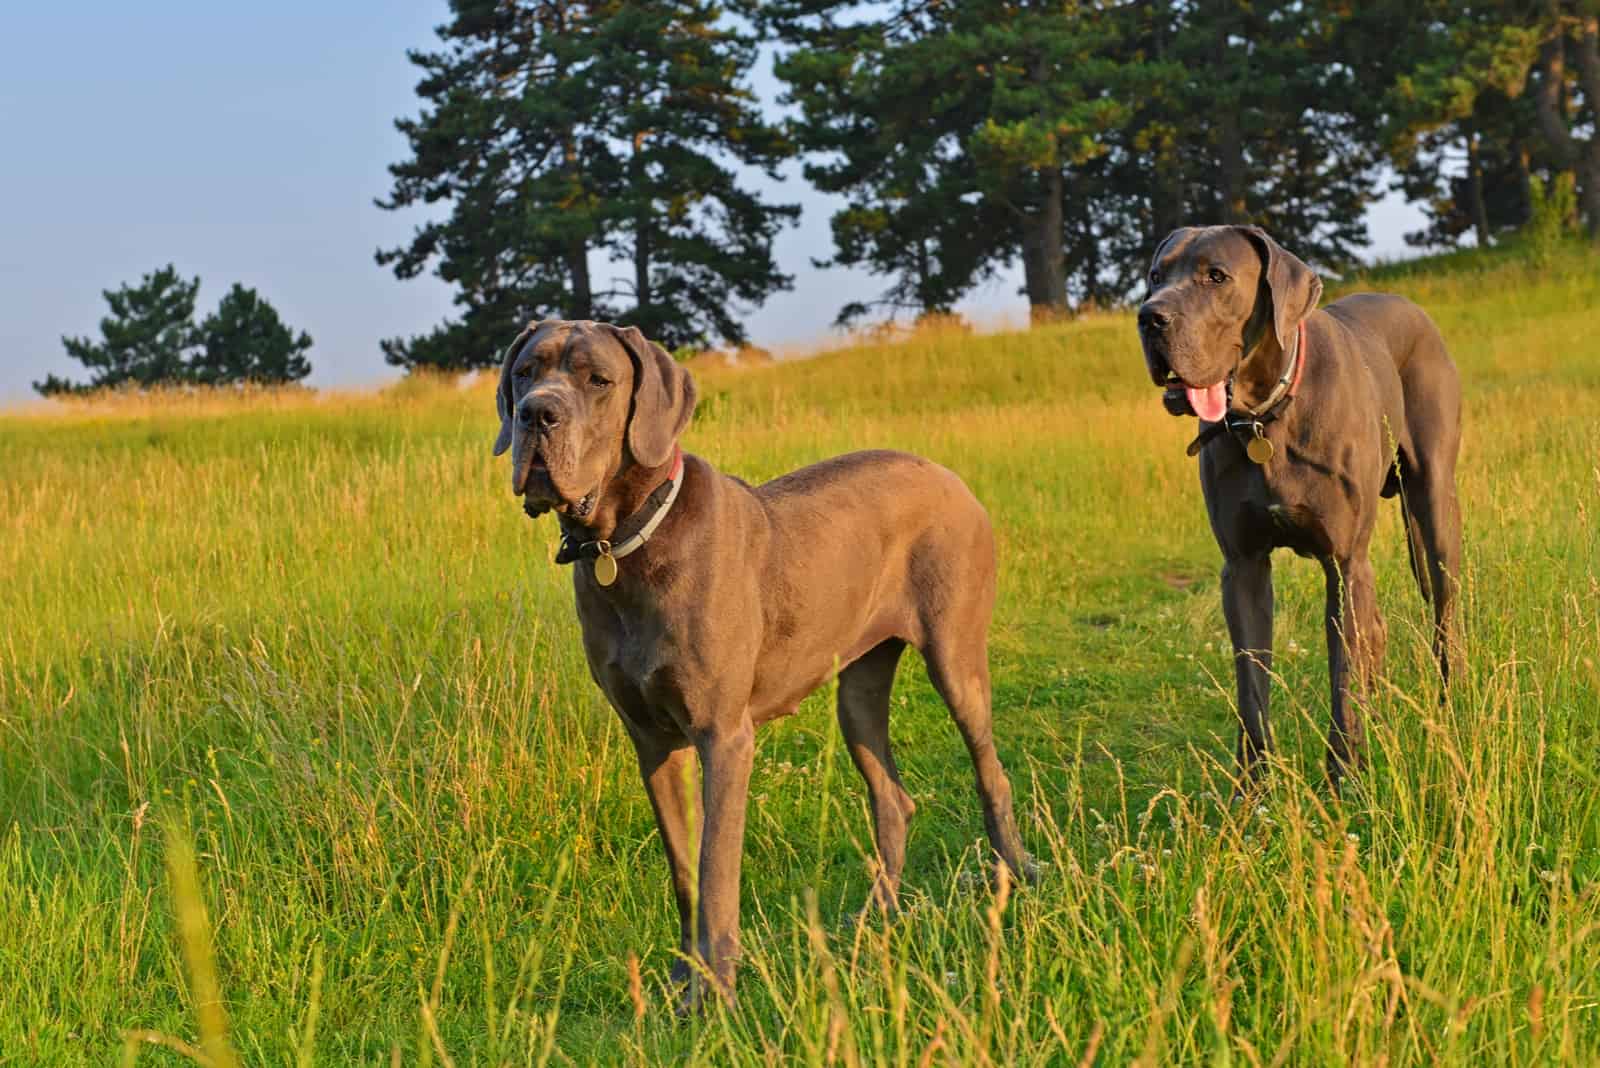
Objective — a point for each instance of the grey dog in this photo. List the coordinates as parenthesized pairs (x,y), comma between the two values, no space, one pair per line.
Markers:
(1307,418)
(709,607)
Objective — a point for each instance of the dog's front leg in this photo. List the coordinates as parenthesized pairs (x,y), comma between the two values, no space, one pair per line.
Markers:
(667,766)
(1247,606)
(1355,641)
(727,753)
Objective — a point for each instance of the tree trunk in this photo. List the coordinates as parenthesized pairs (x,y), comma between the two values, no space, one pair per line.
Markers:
(1230,148)
(1588,53)
(925,302)
(641,262)
(642,231)
(1166,197)
(578,268)
(1166,192)
(582,304)
(1043,256)
(1230,141)
(1524,182)
(1480,212)
(1550,104)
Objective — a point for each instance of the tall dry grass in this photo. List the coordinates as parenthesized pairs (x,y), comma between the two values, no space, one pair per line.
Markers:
(316,637)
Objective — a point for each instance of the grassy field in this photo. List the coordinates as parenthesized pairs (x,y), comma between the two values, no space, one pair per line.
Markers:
(301,660)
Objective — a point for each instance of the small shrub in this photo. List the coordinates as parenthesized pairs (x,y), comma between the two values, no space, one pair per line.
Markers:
(1552,217)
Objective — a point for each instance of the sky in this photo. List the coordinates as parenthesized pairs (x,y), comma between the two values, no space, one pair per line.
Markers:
(246,143)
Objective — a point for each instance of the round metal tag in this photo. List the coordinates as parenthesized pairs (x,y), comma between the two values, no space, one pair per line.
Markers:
(605,569)
(1259,450)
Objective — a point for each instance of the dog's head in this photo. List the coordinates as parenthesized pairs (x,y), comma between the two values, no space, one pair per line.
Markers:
(578,402)
(1215,293)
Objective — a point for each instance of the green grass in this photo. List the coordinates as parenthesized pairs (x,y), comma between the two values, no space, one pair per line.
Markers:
(316,638)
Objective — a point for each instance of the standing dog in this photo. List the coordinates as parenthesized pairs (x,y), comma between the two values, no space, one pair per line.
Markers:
(709,607)
(1307,417)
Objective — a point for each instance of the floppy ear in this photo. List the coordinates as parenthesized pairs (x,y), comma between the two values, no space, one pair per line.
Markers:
(1293,286)
(663,398)
(502,395)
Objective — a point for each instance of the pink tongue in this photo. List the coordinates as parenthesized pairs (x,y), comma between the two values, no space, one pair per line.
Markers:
(1210,403)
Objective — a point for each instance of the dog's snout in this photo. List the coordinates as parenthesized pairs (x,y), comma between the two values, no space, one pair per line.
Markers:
(540,413)
(1153,320)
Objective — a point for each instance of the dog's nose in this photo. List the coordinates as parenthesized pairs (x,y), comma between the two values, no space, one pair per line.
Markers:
(1153,320)
(540,412)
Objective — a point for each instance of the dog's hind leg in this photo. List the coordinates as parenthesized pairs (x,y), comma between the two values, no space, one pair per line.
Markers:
(1428,489)
(1433,536)
(960,672)
(864,688)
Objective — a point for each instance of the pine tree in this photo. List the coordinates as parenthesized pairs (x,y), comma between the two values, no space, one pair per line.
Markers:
(245,340)
(965,136)
(150,339)
(886,129)
(1490,96)
(144,341)
(1566,90)
(1269,126)
(558,130)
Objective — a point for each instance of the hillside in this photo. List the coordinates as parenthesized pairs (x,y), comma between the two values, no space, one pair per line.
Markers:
(317,635)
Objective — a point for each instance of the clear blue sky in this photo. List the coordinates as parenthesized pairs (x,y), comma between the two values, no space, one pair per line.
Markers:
(246,142)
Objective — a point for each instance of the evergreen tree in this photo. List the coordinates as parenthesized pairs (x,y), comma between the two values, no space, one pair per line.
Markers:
(886,132)
(556,130)
(1566,91)
(144,341)
(1455,123)
(1269,126)
(1494,94)
(245,340)
(150,339)
(959,133)
(1074,135)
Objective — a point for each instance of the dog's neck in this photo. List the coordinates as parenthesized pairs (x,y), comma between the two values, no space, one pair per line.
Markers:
(624,494)
(1261,369)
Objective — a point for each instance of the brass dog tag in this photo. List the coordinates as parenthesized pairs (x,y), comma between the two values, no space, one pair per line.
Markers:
(1260,449)
(605,566)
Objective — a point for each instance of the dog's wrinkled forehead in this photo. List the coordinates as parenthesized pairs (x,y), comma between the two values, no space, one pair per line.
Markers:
(571,348)
(1192,253)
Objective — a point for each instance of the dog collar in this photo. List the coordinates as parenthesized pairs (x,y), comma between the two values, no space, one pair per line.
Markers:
(1251,423)
(634,531)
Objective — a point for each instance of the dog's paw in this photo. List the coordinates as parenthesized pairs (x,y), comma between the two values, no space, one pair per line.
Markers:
(701,993)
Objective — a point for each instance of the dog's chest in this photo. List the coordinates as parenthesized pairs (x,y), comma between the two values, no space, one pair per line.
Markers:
(1258,508)
(630,660)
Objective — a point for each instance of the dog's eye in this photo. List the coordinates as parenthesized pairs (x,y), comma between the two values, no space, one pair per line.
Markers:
(1155,278)
(1218,276)
(522,373)
(599,380)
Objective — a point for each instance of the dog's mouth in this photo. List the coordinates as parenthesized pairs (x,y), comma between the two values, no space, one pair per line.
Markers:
(537,487)
(537,506)
(532,479)
(527,461)
(1208,402)
(1180,398)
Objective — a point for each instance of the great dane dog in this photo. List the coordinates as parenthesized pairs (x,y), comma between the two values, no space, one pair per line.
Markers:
(1307,417)
(709,607)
